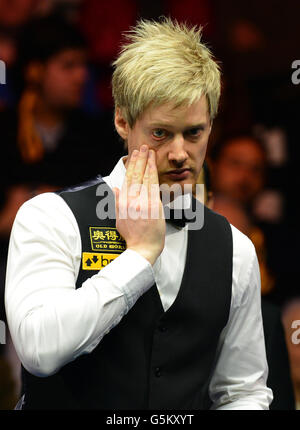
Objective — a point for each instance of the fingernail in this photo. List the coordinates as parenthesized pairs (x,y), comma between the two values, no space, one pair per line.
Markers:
(144,148)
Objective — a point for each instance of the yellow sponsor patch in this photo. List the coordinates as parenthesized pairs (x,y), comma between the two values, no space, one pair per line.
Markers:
(107,239)
(96,261)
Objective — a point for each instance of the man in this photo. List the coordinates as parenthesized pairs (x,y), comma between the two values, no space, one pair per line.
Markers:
(136,312)
(239,169)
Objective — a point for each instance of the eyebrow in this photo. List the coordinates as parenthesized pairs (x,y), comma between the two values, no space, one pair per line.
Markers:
(189,127)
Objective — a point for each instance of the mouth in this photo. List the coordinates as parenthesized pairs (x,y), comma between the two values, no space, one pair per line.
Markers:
(178,174)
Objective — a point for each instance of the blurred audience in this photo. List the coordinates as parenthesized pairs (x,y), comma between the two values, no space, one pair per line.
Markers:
(237,216)
(279,378)
(13,15)
(291,322)
(238,167)
(48,141)
(239,170)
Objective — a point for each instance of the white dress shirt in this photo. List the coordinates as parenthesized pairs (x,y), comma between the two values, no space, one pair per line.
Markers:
(51,322)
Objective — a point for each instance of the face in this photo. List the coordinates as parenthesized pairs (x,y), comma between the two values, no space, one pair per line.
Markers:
(239,171)
(179,137)
(63,79)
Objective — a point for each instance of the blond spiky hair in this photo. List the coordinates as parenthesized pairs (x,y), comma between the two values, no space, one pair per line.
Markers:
(164,62)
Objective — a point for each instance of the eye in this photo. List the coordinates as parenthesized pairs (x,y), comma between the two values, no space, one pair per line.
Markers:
(195,132)
(159,133)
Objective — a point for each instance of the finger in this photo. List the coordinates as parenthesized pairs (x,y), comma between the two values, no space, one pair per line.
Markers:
(140,165)
(154,191)
(116,192)
(131,166)
(146,177)
(153,175)
(129,172)
(145,194)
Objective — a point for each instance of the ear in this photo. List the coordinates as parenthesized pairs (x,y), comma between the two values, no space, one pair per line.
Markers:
(121,124)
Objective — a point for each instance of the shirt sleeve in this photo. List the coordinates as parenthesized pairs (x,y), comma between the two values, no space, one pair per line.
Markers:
(50,321)
(240,374)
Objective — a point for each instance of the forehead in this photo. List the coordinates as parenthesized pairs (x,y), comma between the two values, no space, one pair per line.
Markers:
(68,54)
(244,148)
(169,115)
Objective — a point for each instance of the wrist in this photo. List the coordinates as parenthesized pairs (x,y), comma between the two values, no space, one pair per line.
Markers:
(150,256)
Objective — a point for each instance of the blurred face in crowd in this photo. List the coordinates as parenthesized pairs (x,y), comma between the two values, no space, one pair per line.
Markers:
(235,213)
(179,137)
(239,170)
(63,79)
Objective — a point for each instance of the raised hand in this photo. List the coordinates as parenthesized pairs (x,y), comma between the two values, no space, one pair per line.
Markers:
(139,213)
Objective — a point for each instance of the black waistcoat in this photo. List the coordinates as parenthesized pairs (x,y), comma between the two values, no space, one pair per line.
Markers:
(152,359)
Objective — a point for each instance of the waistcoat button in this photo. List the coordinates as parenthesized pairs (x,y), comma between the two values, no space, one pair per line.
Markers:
(157,372)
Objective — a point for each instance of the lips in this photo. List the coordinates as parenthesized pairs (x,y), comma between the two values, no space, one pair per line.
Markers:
(178,171)
(179,174)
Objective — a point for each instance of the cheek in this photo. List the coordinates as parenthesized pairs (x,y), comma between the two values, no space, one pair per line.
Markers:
(198,156)
(161,156)
(225,174)
(55,83)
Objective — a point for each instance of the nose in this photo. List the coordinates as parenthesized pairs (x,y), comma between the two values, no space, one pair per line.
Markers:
(177,153)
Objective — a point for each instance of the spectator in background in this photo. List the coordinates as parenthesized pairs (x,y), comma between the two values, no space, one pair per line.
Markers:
(48,142)
(13,15)
(44,138)
(279,377)
(291,322)
(238,216)
(238,169)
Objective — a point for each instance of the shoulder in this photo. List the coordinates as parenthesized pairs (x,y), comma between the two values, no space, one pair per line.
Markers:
(243,248)
(46,215)
(47,203)
(245,268)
